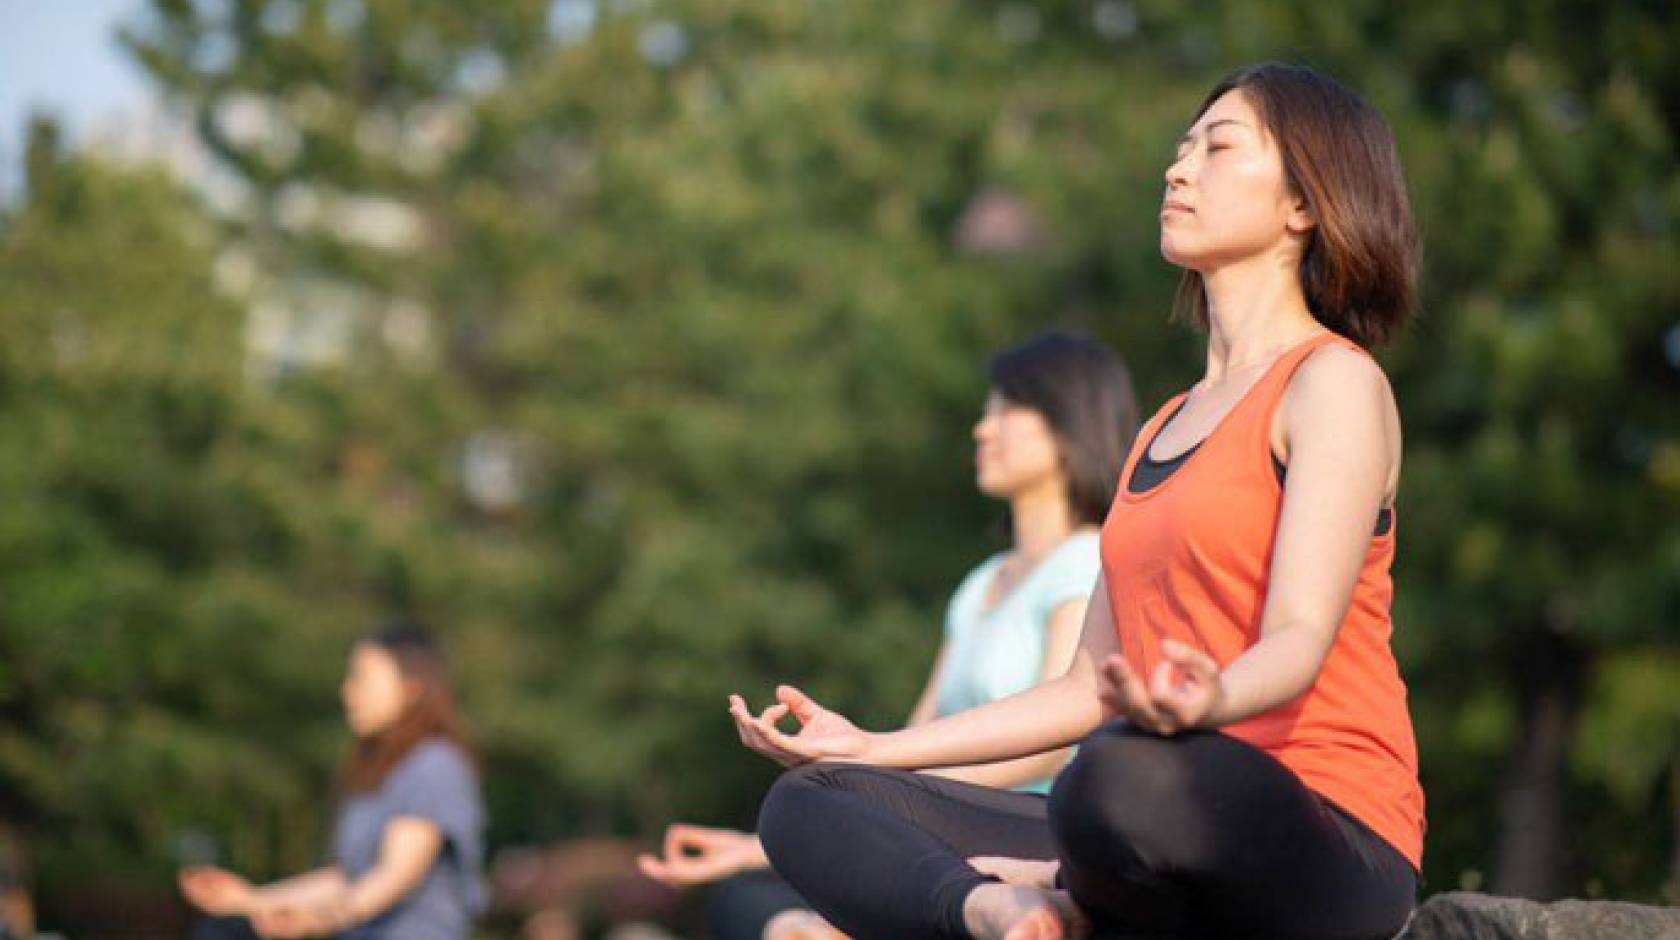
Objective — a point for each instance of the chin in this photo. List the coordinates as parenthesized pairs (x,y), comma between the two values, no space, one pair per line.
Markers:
(1175,254)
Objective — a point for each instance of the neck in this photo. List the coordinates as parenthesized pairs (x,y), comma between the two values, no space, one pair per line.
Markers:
(1041,519)
(1255,310)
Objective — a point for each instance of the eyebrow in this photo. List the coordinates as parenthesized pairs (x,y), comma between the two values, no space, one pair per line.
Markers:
(1209,129)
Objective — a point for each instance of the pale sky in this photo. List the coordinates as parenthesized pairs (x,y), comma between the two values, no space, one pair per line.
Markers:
(61,56)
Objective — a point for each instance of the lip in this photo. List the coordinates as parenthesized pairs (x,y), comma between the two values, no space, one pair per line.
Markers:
(1173,205)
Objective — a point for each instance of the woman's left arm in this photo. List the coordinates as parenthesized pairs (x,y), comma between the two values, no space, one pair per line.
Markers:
(407,850)
(1343,444)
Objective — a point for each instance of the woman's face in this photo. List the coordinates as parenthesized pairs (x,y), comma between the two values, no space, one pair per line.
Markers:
(1227,197)
(374,691)
(1014,448)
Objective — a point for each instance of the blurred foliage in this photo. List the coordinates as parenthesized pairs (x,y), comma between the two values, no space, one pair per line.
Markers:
(635,345)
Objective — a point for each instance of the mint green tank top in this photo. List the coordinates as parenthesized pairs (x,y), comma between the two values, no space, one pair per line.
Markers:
(992,654)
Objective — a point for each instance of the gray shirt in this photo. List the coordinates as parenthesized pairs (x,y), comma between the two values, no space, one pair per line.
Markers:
(436,782)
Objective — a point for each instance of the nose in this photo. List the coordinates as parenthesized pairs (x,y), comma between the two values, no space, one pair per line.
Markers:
(1178,171)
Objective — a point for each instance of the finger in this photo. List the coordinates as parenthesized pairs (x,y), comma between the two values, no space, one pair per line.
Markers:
(676,837)
(1127,687)
(1161,681)
(766,720)
(1192,701)
(653,868)
(744,724)
(1169,684)
(785,745)
(772,715)
(1164,694)
(1112,697)
(1139,709)
(740,728)
(1190,660)
(753,729)
(803,706)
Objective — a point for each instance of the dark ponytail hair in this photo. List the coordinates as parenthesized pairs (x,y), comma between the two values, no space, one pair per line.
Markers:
(1084,391)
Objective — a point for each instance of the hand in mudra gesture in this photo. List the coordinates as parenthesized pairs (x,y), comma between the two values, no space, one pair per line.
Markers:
(822,734)
(698,855)
(215,891)
(1183,692)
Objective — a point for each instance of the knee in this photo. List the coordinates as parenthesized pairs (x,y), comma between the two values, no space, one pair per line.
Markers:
(791,805)
(1122,783)
(1118,759)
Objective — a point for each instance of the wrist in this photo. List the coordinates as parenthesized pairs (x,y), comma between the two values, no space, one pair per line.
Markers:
(877,749)
(1218,713)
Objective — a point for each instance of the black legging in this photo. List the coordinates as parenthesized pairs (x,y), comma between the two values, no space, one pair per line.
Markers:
(225,928)
(1197,834)
(741,906)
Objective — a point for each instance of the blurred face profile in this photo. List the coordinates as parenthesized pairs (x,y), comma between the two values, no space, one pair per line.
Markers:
(1014,449)
(1227,197)
(374,691)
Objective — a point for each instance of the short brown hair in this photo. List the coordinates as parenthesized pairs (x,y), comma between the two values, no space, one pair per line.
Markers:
(1084,391)
(1359,269)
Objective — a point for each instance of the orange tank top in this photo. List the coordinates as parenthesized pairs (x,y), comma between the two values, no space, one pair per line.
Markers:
(1190,559)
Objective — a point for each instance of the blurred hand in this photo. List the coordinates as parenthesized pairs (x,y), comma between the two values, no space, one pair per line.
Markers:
(216,891)
(284,921)
(1184,691)
(822,735)
(696,855)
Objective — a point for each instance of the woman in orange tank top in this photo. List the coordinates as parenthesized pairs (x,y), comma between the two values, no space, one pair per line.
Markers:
(1246,765)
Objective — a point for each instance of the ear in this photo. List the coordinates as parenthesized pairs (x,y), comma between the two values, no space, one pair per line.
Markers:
(1300,220)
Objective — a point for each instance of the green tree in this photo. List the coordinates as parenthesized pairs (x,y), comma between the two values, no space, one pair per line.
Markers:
(155,583)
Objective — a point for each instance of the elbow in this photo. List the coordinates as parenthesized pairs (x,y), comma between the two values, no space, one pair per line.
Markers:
(1309,665)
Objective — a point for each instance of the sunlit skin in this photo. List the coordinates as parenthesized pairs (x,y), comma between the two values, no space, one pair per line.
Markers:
(1018,459)
(373,692)
(324,902)
(1015,452)
(1228,213)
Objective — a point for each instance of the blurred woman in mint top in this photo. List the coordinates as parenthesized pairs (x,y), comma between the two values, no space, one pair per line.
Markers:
(1057,421)
(995,647)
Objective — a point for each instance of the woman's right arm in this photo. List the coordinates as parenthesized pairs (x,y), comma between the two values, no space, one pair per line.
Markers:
(1051,715)
(311,887)
(220,892)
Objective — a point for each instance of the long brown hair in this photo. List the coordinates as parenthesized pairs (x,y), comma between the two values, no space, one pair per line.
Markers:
(432,713)
(1359,269)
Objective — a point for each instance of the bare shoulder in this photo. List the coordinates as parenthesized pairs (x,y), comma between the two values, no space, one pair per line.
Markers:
(1340,394)
(1338,384)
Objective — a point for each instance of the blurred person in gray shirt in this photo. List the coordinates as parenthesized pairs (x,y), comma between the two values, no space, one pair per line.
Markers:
(407,848)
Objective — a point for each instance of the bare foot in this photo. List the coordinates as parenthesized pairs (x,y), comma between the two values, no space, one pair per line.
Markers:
(1027,872)
(800,925)
(1013,912)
